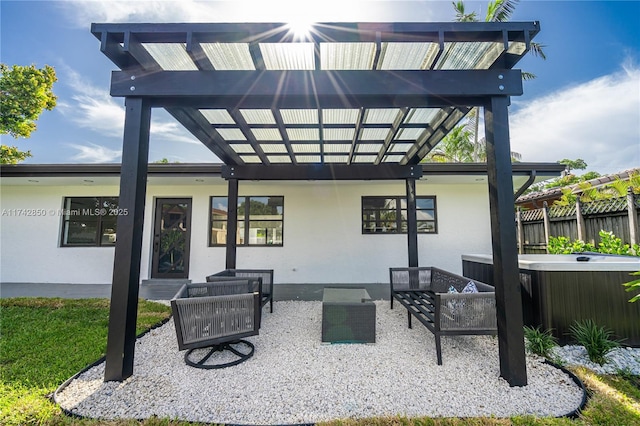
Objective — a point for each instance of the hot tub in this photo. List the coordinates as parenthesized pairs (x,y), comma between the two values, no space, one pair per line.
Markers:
(558,289)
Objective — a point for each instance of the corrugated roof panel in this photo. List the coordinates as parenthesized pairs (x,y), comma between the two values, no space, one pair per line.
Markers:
(279,158)
(368,147)
(232,134)
(337,147)
(421,115)
(374,134)
(400,147)
(243,148)
(407,56)
(340,116)
(171,56)
(410,134)
(273,147)
(266,134)
(469,55)
(299,116)
(288,56)
(336,158)
(258,116)
(381,115)
(299,148)
(308,158)
(392,158)
(303,134)
(251,159)
(347,56)
(364,158)
(338,134)
(229,56)
(217,116)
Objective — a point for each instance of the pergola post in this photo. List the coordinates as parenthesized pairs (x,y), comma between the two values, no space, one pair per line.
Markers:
(503,234)
(412,223)
(126,268)
(232,223)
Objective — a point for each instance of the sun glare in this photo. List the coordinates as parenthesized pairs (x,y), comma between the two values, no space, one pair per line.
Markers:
(301,28)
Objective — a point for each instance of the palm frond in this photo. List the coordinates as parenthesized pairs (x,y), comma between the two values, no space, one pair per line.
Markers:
(537,50)
(526,76)
(500,10)
(461,15)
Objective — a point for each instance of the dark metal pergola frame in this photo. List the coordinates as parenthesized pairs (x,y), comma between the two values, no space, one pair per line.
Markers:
(145,85)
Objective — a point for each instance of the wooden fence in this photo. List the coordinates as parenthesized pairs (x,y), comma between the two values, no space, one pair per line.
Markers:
(583,221)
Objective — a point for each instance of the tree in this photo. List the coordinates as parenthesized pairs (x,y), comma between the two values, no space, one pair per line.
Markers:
(26,91)
(497,11)
(456,147)
(577,164)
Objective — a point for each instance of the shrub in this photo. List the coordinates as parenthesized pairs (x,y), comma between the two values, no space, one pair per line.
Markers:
(538,341)
(595,339)
(633,285)
(562,245)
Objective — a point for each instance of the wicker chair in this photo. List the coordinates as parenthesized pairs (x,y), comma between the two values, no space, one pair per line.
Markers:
(265,274)
(217,315)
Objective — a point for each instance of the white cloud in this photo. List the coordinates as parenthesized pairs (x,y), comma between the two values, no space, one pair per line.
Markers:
(85,11)
(93,153)
(598,121)
(93,108)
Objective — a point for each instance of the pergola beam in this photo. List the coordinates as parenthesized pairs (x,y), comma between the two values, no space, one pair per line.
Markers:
(335,89)
(321,172)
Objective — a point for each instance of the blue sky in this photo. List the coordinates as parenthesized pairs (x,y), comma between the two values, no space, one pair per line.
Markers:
(585,102)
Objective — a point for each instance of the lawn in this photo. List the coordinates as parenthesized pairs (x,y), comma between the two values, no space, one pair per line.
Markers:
(45,341)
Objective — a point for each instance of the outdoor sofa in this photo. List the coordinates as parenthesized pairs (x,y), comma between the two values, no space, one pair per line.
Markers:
(446,303)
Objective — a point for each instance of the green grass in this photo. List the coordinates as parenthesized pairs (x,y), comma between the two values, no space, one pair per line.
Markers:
(45,341)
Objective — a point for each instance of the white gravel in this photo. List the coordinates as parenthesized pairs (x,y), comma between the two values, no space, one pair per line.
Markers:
(294,378)
(618,360)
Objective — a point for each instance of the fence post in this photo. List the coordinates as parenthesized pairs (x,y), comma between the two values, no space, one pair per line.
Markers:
(547,225)
(580,221)
(520,231)
(633,217)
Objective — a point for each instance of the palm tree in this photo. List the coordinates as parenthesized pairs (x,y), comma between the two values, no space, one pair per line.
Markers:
(456,147)
(497,11)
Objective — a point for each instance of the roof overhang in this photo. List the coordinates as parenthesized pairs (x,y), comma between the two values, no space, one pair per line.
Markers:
(198,174)
(344,94)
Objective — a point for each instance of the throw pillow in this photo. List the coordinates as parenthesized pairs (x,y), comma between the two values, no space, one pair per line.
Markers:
(452,304)
(470,288)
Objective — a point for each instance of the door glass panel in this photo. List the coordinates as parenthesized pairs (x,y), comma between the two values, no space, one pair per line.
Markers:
(173,234)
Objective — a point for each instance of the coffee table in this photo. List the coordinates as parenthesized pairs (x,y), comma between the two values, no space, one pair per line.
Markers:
(348,316)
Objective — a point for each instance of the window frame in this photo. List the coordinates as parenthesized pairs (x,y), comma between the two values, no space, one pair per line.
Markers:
(68,217)
(245,220)
(399,221)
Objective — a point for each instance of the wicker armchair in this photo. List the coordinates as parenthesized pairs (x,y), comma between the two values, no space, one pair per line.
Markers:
(266,293)
(216,315)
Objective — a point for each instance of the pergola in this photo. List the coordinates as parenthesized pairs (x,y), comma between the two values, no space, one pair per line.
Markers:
(345,101)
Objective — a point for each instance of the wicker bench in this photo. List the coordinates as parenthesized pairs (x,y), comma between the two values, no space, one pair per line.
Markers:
(424,291)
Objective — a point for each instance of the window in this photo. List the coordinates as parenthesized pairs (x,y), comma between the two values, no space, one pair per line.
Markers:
(388,215)
(89,221)
(260,221)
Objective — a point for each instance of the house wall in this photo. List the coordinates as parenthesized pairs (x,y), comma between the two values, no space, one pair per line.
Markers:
(323,242)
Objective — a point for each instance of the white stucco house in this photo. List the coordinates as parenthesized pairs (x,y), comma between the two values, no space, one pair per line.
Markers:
(317,232)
